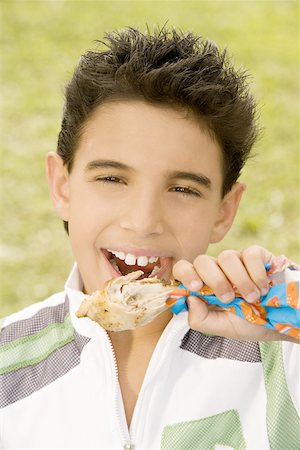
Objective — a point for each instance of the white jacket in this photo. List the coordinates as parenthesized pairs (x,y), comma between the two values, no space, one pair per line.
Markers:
(59,387)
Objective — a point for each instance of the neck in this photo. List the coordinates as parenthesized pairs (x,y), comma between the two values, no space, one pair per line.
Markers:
(134,340)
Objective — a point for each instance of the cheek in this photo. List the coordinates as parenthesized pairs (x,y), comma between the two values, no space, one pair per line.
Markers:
(90,213)
(193,230)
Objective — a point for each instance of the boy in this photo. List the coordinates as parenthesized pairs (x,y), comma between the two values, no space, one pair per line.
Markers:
(154,134)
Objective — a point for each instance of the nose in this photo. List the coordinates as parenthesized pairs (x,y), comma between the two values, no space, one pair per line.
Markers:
(143,214)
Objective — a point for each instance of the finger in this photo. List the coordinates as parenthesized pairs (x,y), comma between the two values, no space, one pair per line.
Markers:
(212,275)
(184,271)
(224,323)
(254,259)
(232,265)
(202,319)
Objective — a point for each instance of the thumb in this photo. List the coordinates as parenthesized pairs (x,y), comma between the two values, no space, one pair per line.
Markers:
(206,318)
(198,312)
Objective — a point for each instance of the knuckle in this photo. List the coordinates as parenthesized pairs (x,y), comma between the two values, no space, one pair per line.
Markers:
(201,260)
(225,256)
(179,264)
(181,267)
(252,251)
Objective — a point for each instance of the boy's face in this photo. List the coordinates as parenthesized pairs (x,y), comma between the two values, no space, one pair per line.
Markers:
(146,180)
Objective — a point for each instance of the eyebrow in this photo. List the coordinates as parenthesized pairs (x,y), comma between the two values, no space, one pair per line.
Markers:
(105,164)
(198,178)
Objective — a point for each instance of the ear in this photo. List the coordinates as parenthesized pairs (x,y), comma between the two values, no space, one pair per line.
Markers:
(58,181)
(228,209)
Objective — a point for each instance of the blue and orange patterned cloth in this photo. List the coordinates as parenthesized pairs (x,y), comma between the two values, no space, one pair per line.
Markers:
(279,309)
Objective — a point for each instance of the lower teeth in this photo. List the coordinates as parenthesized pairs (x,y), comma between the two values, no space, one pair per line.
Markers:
(154,271)
(115,265)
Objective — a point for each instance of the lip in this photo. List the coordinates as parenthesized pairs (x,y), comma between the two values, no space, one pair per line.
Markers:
(139,251)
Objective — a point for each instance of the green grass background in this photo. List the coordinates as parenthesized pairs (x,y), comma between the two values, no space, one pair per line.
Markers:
(41,42)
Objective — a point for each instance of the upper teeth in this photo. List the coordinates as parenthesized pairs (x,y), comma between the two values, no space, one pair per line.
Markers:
(131,260)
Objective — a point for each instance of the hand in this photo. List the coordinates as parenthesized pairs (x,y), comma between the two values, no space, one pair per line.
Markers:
(245,271)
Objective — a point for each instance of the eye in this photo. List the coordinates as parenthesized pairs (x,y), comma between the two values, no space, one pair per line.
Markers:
(109,179)
(186,191)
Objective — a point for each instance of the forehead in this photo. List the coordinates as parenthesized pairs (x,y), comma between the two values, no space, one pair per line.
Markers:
(137,133)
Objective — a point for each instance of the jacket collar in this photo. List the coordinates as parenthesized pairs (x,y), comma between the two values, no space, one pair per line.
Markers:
(74,281)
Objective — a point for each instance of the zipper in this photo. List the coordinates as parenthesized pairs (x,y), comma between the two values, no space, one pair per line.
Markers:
(128,444)
(160,351)
(155,363)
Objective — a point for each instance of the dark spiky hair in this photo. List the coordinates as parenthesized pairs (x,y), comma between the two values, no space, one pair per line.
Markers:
(170,68)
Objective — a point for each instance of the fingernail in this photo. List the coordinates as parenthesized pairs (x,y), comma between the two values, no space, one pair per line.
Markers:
(195,285)
(252,297)
(228,297)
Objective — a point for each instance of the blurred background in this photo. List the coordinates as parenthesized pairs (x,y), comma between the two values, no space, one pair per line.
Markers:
(41,42)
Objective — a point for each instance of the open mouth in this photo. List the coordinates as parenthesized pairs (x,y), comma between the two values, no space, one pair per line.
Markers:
(156,268)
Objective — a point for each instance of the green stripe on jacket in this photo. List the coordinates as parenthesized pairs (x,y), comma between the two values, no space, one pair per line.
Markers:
(283,422)
(30,350)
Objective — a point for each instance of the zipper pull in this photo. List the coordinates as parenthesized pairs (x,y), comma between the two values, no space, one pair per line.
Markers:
(128,446)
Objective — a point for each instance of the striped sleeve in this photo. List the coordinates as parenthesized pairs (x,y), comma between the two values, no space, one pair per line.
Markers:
(36,351)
